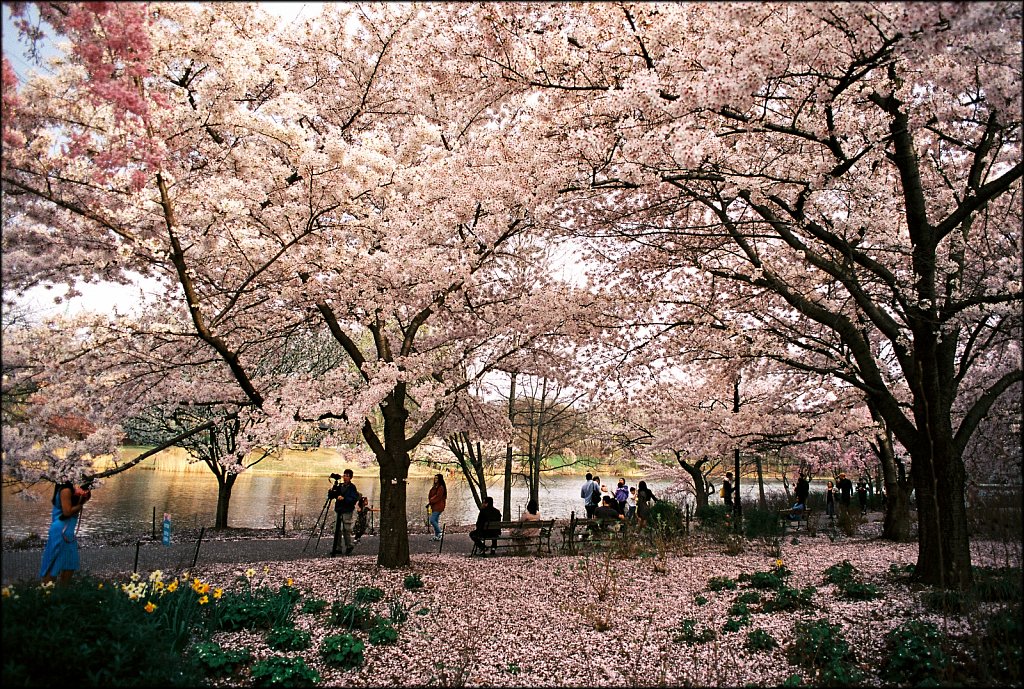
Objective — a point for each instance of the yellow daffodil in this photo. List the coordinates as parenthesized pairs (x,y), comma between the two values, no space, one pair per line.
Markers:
(156,575)
(158,585)
(135,576)
(100,585)
(288,581)
(266,569)
(778,563)
(173,586)
(250,573)
(204,600)
(6,591)
(218,592)
(150,606)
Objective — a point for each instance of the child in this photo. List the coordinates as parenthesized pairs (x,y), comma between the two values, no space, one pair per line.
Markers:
(362,513)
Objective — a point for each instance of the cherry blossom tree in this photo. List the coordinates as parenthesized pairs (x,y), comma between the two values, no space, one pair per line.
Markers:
(474,431)
(325,178)
(856,166)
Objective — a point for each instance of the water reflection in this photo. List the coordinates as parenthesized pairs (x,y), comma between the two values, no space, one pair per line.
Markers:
(126,503)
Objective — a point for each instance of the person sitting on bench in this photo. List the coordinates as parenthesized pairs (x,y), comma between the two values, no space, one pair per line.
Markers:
(607,510)
(488,514)
(796,511)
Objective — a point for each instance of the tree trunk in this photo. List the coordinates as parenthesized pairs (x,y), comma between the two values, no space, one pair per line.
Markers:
(737,508)
(696,473)
(762,502)
(394,531)
(393,460)
(896,522)
(944,553)
(225,482)
(506,502)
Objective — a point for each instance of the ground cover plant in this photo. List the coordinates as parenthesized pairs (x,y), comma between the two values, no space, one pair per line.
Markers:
(781,619)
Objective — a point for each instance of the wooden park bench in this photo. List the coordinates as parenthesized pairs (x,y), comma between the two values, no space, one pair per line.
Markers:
(591,533)
(512,538)
(795,519)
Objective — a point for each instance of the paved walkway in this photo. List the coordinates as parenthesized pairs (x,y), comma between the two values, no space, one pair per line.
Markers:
(24,564)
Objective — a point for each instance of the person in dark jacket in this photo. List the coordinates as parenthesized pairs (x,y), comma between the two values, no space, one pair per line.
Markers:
(488,513)
(802,490)
(345,507)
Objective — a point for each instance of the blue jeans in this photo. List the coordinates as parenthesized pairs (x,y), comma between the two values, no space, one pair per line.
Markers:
(435,518)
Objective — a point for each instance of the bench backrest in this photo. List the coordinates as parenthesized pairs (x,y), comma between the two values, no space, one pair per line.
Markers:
(603,524)
(536,524)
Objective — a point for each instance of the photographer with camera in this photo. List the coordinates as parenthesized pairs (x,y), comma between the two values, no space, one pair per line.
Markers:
(346,497)
(60,556)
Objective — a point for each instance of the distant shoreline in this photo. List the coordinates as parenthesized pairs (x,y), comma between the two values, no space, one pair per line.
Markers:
(321,462)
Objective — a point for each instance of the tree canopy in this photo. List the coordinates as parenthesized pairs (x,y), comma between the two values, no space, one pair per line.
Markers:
(833,189)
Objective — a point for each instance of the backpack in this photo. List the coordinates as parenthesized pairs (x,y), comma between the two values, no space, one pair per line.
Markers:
(721,492)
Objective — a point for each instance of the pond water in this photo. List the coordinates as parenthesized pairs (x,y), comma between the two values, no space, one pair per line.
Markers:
(126,502)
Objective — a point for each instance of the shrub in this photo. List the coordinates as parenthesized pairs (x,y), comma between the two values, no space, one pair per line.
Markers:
(666,517)
(915,655)
(712,516)
(762,523)
(788,599)
(763,580)
(87,634)
(751,597)
(901,571)
(721,583)
(368,594)
(313,605)
(841,574)
(342,650)
(217,661)
(281,671)
(1000,656)
(760,640)
(856,590)
(351,615)
(255,608)
(700,600)
(734,624)
(398,612)
(997,584)
(288,639)
(947,601)
(383,633)
(739,609)
(412,582)
(820,646)
(689,634)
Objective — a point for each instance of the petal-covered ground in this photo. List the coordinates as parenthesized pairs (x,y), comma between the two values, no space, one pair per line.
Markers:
(598,620)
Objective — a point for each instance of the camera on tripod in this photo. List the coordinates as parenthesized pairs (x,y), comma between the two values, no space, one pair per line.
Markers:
(335,490)
(321,522)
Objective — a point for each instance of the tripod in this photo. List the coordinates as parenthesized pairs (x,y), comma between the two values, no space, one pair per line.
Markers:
(321,522)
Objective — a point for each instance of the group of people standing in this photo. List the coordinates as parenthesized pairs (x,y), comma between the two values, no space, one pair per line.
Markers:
(839,492)
(626,502)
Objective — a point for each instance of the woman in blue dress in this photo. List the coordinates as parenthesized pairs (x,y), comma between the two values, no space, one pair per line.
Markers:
(60,556)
